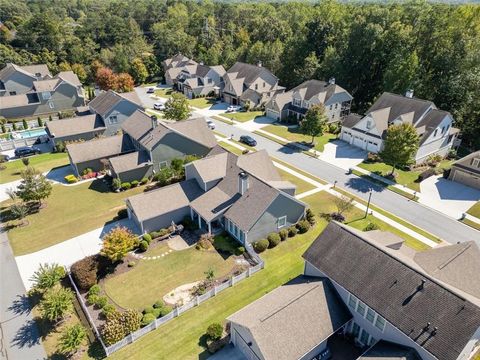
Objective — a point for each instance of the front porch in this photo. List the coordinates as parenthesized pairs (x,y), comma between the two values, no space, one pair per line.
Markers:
(214,226)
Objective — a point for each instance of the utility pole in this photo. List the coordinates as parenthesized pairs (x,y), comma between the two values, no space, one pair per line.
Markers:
(368,203)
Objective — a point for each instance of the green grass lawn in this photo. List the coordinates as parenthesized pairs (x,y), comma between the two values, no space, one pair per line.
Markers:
(226,121)
(302,185)
(406,178)
(41,162)
(475,210)
(230,148)
(471,223)
(201,103)
(243,116)
(294,134)
(304,173)
(150,280)
(70,211)
(165,93)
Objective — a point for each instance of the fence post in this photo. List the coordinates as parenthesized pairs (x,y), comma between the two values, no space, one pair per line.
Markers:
(233,280)
(175,312)
(131,338)
(214,291)
(197,301)
(249,272)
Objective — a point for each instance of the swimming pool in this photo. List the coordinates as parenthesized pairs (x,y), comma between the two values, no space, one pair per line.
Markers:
(30,133)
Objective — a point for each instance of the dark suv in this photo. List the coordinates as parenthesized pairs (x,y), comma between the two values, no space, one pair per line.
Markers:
(27,150)
(248,140)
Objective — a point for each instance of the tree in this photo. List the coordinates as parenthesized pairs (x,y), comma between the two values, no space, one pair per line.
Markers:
(39,121)
(314,122)
(34,186)
(26,161)
(400,145)
(71,339)
(343,204)
(123,83)
(177,108)
(56,303)
(25,124)
(214,331)
(105,78)
(139,71)
(47,276)
(80,71)
(117,243)
(19,211)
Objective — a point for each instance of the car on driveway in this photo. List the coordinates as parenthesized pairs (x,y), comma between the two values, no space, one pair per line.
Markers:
(211,124)
(233,108)
(150,90)
(26,151)
(248,140)
(159,106)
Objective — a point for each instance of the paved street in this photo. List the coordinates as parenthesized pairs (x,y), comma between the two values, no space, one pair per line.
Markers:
(19,337)
(435,222)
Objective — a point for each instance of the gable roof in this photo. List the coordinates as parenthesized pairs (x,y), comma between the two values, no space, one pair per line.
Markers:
(248,72)
(457,265)
(99,148)
(130,161)
(431,121)
(351,120)
(294,318)
(405,297)
(195,129)
(75,126)
(138,124)
(385,350)
(259,164)
(41,69)
(466,162)
(45,85)
(326,90)
(106,101)
(69,77)
(280,100)
(211,167)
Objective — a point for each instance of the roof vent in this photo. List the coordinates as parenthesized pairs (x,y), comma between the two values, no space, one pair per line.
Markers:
(434,331)
(409,93)
(331,81)
(154,121)
(259,63)
(422,285)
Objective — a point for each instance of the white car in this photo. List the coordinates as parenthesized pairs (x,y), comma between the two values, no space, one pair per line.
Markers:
(159,106)
(233,108)
(211,124)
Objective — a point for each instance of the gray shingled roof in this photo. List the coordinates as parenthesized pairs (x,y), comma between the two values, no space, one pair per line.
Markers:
(385,350)
(99,148)
(106,101)
(431,121)
(351,120)
(138,124)
(466,162)
(314,87)
(291,320)
(248,72)
(395,291)
(130,161)
(75,126)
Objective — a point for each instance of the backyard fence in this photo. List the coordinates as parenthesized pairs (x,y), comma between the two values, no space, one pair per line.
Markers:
(15,143)
(176,312)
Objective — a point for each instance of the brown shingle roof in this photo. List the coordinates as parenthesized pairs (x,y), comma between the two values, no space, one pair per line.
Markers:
(75,126)
(138,124)
(99,148)
(130,161)
(105,101)
(466,162)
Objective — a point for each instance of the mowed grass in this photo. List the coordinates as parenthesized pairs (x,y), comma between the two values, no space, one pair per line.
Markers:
(150,280)
(293,133)
(201,103)
(406,178)
(243,116)
(475,210)
(302,185)
(70,211)
(164,93)
(41,162)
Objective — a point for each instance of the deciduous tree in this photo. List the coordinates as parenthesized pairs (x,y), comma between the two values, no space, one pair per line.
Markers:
(117,243)
(177,108)
(400,145)
(314,122)
(34,186)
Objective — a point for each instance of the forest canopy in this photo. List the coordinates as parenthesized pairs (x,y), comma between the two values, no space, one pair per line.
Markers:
(368,47)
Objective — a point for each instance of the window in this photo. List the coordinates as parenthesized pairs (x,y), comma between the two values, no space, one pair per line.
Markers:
(46,95)
(443,130)
(264,84)
(476,162)
(370,315)
(364,337)
(209,80)
(163,164)
(256,86)
(369,124)
(13,93)
(297,102)
(331,107)
(380,323)
(282,221)
(355,329)
(435,132)
(336,106)
(113,119)
(361,308)
(352,301)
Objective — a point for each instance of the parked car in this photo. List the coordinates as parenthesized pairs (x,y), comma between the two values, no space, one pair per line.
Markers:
(248,140)
(150,90)
(27,150)
(211,124)
(233,108)
(159,106)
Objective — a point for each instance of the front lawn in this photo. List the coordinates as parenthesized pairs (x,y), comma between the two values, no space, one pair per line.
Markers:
(70,211)
(475,210)
(164,93)
(292,133)
(403,177)
(150,280)
(202,102)
(41,162)
(243,116)
(302,185)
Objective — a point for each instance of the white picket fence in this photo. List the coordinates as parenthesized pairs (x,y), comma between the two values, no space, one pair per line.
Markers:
(13,144)
(176,312)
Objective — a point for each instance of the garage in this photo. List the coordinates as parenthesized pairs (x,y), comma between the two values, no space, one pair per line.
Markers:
(346,136)
(273,114)
(372,146)
(466,178)
(358,142)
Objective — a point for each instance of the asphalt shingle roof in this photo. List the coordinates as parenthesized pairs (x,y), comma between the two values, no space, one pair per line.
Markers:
(106,101)
(99,148)
(384,350)
(75,126)
(129,161)
(466,162)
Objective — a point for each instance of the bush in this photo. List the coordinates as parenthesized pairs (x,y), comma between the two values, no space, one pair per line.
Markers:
(101,301)
(165,310)
(113,331)
(425,174)
(239,250)
(107,310)
(310,216)
(126,186)
(434,159)
(371,226)
(84,272)
(292,231)
(245,151)
(261,245)
(158,304)
(116,183)
(135,183)
(157,312)
(94,290)
(159,233)
(87,171)
(189,224)
(148,310)
(303,226)
(273,240)
(70,179)
(214,331)
(283,234)
(143,245)
(147,238)
(47,276)
(92,299)
(337,217)
(131,264)
(143,181)
(147,319)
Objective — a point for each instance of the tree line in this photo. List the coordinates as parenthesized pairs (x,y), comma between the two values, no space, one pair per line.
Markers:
(369,48)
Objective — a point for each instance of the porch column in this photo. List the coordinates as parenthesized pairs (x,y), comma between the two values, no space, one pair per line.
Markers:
(209,227)
(199,221)
(191,213)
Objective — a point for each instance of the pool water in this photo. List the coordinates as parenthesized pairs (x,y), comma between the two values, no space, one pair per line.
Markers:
(31,133)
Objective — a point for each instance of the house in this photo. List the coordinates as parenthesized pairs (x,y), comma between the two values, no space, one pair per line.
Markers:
(173,66)
(467,170)
(104,117)
(200,80)
(242,194)
(434,126)
(252,84)
(295,103)
(31,90)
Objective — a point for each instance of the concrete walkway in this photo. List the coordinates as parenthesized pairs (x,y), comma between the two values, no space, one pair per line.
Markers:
(67,252)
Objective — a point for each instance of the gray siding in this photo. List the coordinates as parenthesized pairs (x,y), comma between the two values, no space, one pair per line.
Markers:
(192,173)
(165,220)
(135,174)
(122,110)
(267,223)
(85,136)
(95,165)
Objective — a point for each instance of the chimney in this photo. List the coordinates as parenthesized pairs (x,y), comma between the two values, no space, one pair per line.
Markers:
(259,63)
(242,182)
(331,81)
(409,93)
(200,63)
(154,121)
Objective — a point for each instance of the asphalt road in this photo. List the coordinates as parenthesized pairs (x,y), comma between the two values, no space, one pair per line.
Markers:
(19,337)
(426,218)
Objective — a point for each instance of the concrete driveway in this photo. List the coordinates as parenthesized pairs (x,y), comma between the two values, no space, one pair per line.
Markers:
(229,352)
(257,123)
(146,99)
(448,197)
(67,252)
(343,155)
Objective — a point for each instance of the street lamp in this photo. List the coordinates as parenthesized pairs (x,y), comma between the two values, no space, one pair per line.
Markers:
(334,184)
(368,203)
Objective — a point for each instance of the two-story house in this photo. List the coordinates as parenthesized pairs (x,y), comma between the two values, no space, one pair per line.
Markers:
(31,90)
(246,83)
(294,104)
(105,115)
(364,295)
(200,80)
(243,194)
(173,66)
(434,126)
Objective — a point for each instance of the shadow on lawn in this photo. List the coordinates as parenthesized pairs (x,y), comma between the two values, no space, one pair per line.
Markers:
(364,185)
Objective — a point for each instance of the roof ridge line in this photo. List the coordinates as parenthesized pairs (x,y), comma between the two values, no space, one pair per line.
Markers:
(452,258)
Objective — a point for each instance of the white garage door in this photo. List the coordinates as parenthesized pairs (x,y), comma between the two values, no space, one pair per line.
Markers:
(358,142)
(346,137)
(273,114)
(372,146)
(467,179)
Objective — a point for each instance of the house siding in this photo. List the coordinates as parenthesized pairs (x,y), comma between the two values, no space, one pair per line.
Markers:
(122,110)
(85,136)
(134,174)
(240,337)
(165,220)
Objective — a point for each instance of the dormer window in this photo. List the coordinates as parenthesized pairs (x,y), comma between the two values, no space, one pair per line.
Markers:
(369,124)
(297,102)
(435,133)
(264,84)
(476,162)
(256,86)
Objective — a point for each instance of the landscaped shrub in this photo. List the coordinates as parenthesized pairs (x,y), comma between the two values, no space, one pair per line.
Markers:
(113,331)
(147,238)
(47,276)
(158,304)
(101,301)
(116,183)
(273,240)
(94,290)
(144,181)
(87,171)
(303,226)
(159,233)
(135,183)
(92,299)
(214,331)
(292,231)
(70,179)
(143,245)
(261,245)
(310,216)
(337,217)
(107,310)
(84,272)
(283,234)
(371,226)
(148,310)
(189,224)
(240,251)
(425,174)
(165,310)
(147,319)
(131,264)
(157,312)
(126,186)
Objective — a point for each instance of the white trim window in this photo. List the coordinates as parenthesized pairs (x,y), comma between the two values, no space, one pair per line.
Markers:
(380,323)
(297,102)
(113,119)
(51,105)
(163,164)
(352,301)
(46,95)
(282,221)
